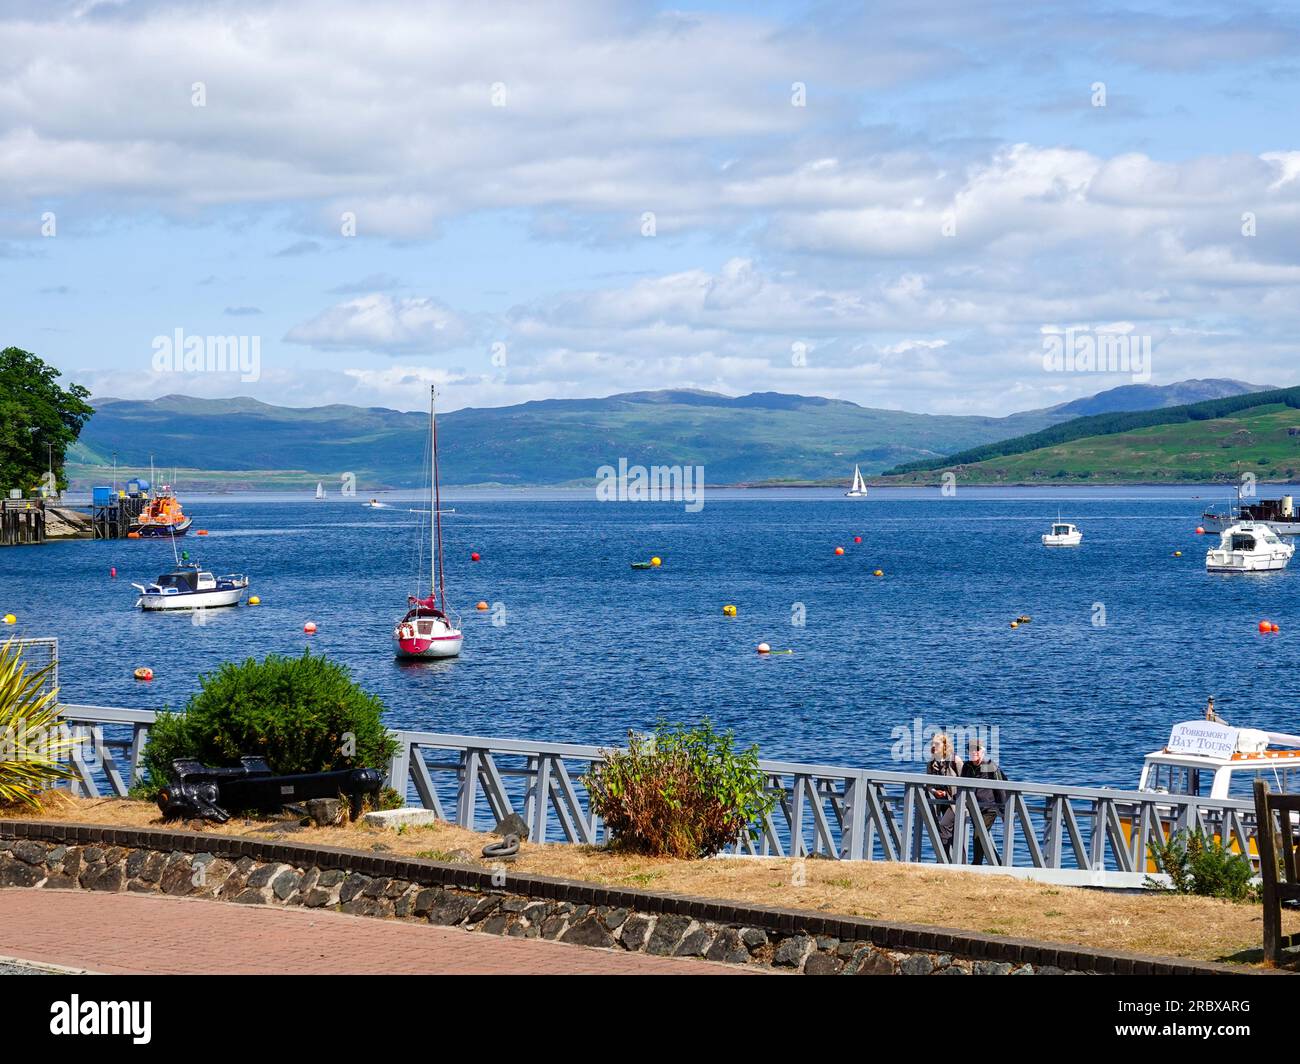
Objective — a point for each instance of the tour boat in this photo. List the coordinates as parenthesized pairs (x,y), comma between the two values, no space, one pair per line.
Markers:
(859,489)
(427,630)
(1210,758)
(1279,514)
(1063,534)
(1249,547)
(187,587)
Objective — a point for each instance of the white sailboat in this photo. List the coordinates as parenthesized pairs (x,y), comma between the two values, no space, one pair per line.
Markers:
(320,490)
(859,489)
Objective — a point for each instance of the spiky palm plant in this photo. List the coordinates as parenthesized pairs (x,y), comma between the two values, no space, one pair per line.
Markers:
(33,743)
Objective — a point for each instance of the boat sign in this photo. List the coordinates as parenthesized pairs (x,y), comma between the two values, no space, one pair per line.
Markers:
(1203,738)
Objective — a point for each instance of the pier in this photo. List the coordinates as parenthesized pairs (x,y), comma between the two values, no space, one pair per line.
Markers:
(22,521)
(111,515)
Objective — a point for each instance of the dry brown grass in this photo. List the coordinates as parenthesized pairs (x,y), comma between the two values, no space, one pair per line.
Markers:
(1161,924)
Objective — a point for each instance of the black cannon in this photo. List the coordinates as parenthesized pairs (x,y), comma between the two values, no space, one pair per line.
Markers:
(204,792)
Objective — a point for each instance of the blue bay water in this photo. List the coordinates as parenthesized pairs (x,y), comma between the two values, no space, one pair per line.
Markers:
(590,647)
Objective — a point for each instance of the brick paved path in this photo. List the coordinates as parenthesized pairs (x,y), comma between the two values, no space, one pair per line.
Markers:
(144,933)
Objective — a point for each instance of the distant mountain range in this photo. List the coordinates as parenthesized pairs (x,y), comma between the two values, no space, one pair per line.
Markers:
(765,437)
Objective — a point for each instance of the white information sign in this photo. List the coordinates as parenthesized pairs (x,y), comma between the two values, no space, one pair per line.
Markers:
(1204,738)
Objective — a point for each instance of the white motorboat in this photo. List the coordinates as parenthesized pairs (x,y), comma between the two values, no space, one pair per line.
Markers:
(1249,547)
(1063,534)
(859,489)
(187,587)
(427,630)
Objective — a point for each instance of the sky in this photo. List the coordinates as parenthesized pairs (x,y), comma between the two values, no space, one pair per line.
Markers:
(894,203)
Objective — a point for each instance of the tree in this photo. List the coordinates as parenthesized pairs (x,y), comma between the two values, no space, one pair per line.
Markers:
(38,420)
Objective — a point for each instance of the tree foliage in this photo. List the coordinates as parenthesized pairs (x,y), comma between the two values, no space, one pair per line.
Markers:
(39,420)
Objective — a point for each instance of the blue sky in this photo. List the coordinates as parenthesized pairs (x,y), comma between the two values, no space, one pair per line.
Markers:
(948,192)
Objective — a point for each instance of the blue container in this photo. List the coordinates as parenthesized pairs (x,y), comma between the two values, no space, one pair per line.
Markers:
(102,496)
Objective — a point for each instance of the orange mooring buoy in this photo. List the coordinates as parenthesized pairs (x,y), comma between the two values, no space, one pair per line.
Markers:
(481,606)
(1265,626)
(839,550)
(309,627)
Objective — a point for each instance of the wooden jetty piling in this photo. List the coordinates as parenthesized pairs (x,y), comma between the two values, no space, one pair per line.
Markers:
(22,521)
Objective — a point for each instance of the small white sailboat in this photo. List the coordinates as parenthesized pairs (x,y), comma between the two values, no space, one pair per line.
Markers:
(1063,534)
(1249,547)
(320,490)
(859,489)
(427,630)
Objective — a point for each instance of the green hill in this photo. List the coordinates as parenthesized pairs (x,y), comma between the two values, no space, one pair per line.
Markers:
(242,443)
(765,437)
(1263,440)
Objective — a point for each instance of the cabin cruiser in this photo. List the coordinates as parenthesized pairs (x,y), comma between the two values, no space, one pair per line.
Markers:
(1249,547)
(187,587)
(1279,514)
(1062,534)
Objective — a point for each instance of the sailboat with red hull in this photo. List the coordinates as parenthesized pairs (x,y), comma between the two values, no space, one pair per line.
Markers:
(428,630)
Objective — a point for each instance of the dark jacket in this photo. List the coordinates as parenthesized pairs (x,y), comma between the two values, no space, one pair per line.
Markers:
(986,798)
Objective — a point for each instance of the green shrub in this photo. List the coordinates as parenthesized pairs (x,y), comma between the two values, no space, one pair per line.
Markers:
(301,714)
(680,792)
(1197,864)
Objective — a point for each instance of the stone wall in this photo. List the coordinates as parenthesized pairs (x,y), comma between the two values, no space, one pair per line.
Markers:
(53,855)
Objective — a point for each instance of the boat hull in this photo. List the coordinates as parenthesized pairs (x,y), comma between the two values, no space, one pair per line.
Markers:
(1063,541)
(154,531)
(1218,561)
(1220,523)
(426,647)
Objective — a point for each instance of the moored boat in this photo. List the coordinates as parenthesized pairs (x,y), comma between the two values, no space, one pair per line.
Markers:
(188,587)
(1249,547)
(1211,759)
(161,516)
(1278,514)
(427,630)
(1063,534)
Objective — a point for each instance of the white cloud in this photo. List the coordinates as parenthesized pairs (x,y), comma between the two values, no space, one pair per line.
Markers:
(380,322)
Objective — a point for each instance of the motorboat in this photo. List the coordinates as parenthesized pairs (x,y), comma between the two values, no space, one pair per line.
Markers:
(1063,534)
(427,630)
(1249,547)
(859,489)
(188,587)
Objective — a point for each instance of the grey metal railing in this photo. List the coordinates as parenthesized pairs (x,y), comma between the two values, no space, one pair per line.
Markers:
(820,810)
